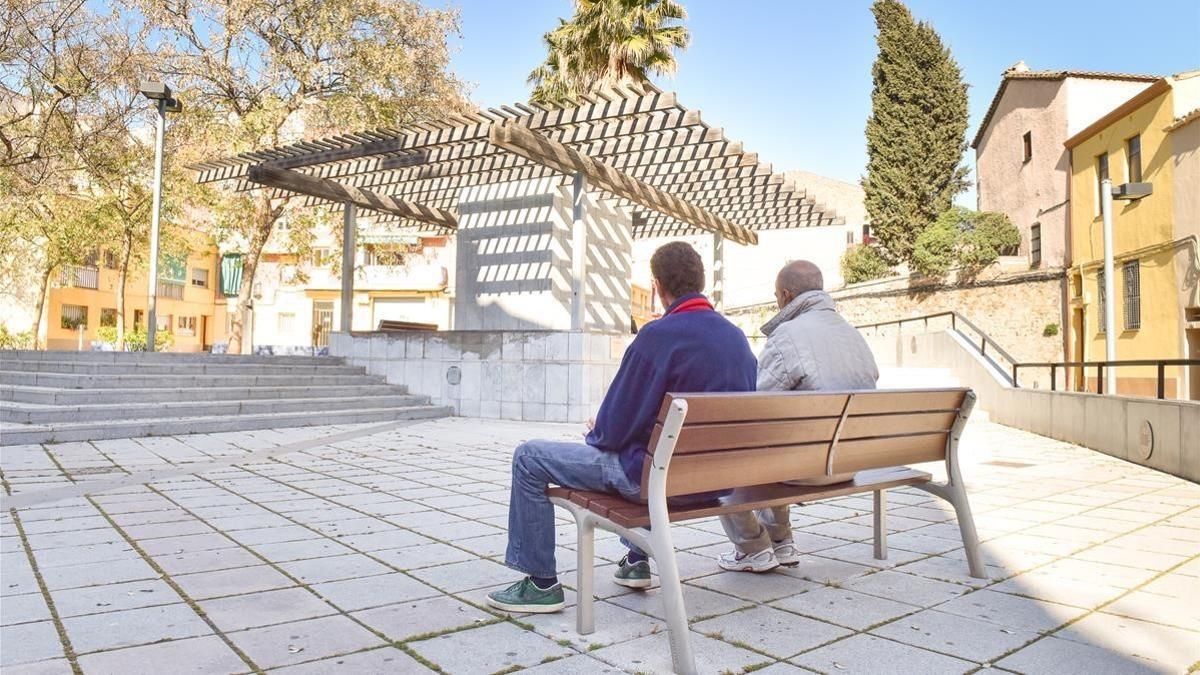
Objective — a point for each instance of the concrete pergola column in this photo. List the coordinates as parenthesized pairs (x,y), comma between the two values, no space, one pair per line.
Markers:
(718,290)
(578,252)
(349,235)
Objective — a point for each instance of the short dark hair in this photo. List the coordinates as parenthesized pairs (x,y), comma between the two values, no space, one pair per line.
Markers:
(678,269)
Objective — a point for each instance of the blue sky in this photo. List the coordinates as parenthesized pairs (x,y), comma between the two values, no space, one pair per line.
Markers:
(792,79)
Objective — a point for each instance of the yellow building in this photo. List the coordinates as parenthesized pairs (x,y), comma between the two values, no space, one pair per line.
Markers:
(1147,139)
(83,298)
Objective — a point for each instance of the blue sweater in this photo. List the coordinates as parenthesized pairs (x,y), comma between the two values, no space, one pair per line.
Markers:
(685,352)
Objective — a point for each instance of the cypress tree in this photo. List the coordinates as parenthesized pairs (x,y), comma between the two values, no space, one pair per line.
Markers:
(916,134)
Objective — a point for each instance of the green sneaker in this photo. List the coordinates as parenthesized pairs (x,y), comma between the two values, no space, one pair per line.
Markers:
(525,596)
(632,575)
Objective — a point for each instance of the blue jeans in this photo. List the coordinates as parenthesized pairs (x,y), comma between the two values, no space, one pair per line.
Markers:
(537,465)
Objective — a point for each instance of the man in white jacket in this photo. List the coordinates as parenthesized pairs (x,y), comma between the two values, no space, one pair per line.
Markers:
(809,347)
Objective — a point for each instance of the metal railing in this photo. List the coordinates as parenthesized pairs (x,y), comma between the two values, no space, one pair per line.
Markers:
(983,342)
(1160,366)
(80,276)
(981,339)
(170,289)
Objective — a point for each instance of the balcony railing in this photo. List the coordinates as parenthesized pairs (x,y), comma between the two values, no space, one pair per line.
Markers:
(80,276)
(169,289)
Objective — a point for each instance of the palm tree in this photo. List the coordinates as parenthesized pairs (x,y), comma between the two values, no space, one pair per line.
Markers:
(607,43)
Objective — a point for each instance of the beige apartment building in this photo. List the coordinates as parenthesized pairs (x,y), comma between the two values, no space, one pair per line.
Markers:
(1022,168)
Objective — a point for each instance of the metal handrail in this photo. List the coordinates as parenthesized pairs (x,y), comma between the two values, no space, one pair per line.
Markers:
(1014,365)
(1159,364)
(955,319)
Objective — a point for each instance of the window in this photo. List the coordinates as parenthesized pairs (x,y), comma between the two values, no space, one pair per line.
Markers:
(73,316)
(186,325)
(322,257)
(1100,303)
(108,317)
(1035,245)
(1132,286)
(1027,144)
(139,319)
(1133,159)
(162,323)
(200,277)
(286,322)
(110,260)
(1101,176)
(382,255)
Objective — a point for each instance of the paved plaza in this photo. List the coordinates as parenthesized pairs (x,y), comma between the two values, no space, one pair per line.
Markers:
(229,553)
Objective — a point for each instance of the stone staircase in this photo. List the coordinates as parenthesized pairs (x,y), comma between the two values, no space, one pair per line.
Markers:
(54,397)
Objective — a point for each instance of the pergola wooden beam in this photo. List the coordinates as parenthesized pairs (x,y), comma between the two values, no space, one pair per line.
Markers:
(542,150)
(295,181)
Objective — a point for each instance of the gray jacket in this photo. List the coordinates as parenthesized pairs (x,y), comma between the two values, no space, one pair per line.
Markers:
(810,346)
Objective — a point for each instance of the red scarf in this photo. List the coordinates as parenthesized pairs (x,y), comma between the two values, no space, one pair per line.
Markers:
(699,304)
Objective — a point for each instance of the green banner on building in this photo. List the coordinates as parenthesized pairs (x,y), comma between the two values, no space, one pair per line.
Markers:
(231,274)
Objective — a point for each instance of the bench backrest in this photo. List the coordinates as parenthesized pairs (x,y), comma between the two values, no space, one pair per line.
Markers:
(731,440)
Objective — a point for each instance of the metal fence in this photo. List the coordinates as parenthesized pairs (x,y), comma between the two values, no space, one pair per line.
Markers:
(80,276)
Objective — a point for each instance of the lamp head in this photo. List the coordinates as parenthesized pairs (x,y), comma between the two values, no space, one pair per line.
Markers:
(153,90)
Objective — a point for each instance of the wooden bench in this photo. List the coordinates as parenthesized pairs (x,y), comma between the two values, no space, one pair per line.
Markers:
(750,442)
(391,325)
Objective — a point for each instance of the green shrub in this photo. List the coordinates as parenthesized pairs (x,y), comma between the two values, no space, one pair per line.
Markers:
(135,339)
(969,240)
(1050,330)
(9,340)
(863,263)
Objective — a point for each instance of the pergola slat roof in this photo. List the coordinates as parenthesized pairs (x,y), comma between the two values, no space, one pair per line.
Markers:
(680,175)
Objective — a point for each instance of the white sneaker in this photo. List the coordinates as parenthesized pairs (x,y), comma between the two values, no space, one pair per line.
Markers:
(734,561)
(786,553)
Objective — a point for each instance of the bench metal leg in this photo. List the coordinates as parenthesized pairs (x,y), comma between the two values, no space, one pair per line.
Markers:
(881,524)
(585,574)
(683,660)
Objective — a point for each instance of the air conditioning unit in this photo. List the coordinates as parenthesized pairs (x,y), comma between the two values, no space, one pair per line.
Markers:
(1132,190)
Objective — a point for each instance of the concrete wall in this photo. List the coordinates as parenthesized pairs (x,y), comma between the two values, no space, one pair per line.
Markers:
(1110,424)
(514,265)
(536,376)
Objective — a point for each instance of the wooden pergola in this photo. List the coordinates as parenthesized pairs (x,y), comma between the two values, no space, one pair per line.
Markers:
(636,145)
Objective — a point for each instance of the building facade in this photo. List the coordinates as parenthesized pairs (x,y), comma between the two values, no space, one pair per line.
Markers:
(1150,138)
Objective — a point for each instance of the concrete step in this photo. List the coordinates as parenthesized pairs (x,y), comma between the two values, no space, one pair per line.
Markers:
(185,368)
(68,381)
(59,396)
(19,434)
(28,413)
(7,355)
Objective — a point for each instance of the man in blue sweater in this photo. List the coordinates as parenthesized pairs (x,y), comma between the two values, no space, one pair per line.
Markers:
(691,348)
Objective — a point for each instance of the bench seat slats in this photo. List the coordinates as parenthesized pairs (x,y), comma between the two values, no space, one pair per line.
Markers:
(733,435)
(629,514)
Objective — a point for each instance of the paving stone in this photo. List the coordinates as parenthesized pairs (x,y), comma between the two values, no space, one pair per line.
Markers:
(334,568)
(388,539)
(698,602)
(354,594)
(39,642)
(186,544)
(113,597)
(488,649)
(24,608)
(825,570)
(273,535)
(300,550)
(206,561)
(613,624)
(93,574)
(83,555)
(948,569)
(463,576)
(864,554)
(1174,649)
(845,607)
(171,529)
(906,588)
(869,654)
(580,664)
(236,581)
(652,654)
(385,660)
(131,627)
(754,587)
(1066,657)
(774,631)
(1182,611)
(426,555)
(301,641)
(51,667)
(406,620)
(265,608)
(1011,611)
(959,636)
(1053,588)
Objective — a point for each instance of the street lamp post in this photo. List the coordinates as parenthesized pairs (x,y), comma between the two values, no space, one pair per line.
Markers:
(160,93)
